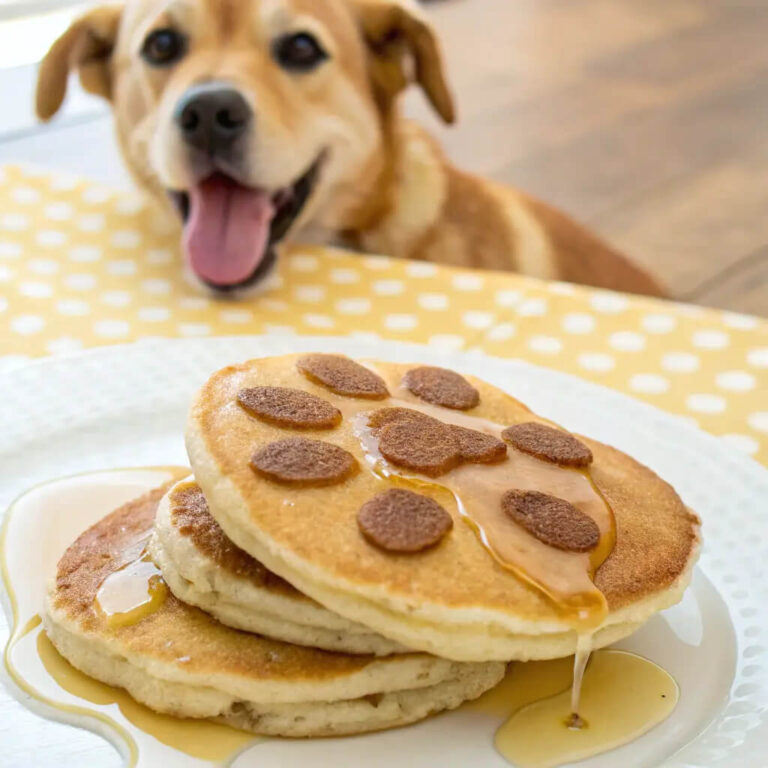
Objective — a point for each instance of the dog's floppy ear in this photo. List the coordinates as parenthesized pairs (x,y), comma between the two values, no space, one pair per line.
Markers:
(85,46)
(403,48)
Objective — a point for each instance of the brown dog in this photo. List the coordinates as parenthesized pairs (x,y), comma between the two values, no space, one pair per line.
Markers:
(267,119)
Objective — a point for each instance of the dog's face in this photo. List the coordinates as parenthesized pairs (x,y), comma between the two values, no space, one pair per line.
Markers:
(254,117)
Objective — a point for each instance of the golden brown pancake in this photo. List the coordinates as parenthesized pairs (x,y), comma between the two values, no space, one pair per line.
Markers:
(176,659)
(203,567)
(455,598)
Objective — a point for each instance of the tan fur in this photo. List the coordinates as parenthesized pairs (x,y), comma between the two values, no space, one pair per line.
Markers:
(385,186)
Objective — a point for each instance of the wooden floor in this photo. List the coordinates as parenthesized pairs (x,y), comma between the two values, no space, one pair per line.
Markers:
(646,119)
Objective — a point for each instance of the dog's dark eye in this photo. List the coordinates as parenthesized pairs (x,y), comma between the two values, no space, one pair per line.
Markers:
(163,47)
(300,52)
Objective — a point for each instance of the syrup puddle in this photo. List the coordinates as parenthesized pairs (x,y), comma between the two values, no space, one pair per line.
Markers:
(203,739)
(622,697)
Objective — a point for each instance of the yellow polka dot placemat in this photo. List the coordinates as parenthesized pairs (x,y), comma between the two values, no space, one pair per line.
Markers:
(82,265)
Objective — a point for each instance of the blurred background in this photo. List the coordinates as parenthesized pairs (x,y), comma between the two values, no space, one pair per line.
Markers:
(645,119)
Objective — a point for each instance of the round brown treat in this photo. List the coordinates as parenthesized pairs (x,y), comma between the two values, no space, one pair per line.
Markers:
(343,376)
(478,447)
(441,387)
(403,521)
(289,407)
(553,521)
(384,416)
(300,461)
(548,443)
(424,446)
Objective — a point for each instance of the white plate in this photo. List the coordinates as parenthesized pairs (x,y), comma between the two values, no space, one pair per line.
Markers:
(125,406)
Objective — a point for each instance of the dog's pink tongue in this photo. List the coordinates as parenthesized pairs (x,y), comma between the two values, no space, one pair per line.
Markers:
(227,230)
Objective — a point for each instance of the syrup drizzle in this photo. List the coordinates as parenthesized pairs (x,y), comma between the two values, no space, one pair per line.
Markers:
(127,596)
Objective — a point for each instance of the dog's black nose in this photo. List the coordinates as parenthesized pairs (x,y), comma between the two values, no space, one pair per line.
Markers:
(212,116)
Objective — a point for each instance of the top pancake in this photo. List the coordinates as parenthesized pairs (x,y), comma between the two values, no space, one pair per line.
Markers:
(452,598)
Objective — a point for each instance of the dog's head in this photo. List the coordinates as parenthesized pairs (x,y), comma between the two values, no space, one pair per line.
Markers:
(255,117)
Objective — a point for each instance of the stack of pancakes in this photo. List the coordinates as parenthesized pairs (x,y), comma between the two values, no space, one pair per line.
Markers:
(360,546)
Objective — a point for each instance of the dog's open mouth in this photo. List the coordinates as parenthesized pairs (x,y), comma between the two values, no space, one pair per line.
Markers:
(230,230)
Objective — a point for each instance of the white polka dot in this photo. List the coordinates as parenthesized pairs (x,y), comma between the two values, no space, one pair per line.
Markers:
(6,273)
(279,330)
(35,290)
(194,329)
(501,332)
(341,276)
(401,322)
(111,329)
(433,301)
(50,238)
(62,181)
(91,222)
(627,341)
(129,205)
(3,304)
(196,303)
(121,267)
(448,342)
(236,316)
(356,306)
(96,194)
(561,289)
(659,323)
(309,293)
(73,307)
(704,403)
(596,361)
(532,308)
(507,298)
(58,211)
(14,222)
(710,339)
(27,324)
(388,287)
(80,282)
(477,319)
(608,303)
(377,262)
(743,443)
(318,321)
(302,262)
(156,286)
(126,238)
(43,266)
(758,421)
(739,322)
(680,362)
(64,345)
(578,322)
(758,357)
(85,253)
(25,195)
(468,282)
(10,250)
(649,383)
(421,269)
(159,256)
(154,314)
(548,345)
(274,305)
(735,381)
(116,298)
